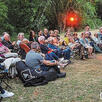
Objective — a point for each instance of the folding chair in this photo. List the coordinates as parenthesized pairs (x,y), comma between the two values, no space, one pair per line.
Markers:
(3,77)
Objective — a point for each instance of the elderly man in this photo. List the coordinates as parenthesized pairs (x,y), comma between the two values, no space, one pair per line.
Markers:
(60,52)
(7,42)
(50,55)
(36,61)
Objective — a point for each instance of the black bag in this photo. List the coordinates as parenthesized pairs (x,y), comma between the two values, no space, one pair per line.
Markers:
(31,77)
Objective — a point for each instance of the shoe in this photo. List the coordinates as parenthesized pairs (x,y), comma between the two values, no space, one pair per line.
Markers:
(61,75)
(61,59)
(6,94)
(62,65)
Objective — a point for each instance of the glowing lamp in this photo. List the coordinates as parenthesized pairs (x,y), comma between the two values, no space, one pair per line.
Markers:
(71,19)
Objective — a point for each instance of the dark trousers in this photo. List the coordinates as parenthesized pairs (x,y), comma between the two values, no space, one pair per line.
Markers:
(51,56)
(46,68)
(2,90)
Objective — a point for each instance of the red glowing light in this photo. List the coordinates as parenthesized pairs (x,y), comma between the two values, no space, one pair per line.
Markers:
(72,19)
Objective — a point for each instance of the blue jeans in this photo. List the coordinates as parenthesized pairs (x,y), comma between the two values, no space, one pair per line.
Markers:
(46,68)
(66,53)
(51,56)
(63,53)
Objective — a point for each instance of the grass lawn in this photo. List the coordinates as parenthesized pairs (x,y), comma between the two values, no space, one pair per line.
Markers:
(83,83)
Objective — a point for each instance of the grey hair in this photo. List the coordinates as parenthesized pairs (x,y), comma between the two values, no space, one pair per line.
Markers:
(34,45)
(20,34)
(41,38)
(4,33)
(100,28)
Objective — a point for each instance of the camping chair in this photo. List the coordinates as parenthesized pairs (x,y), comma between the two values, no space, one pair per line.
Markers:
(4,77)
(23,50)
(95,46)
(80,52)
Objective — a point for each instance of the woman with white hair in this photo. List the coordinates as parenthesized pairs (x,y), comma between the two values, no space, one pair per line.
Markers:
(20,38)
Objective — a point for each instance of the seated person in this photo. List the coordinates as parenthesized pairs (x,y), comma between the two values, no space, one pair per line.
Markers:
(97,44)
(32,36)
(49,54)
(56,34)
(36,61)
(76,39)
(60,52)
(66,39)
(87,29)
(5,93)
(51,32)
(6,52)
(72,44)
(7,42)
(46,33)
(100,34)
(84,41)
(20,38)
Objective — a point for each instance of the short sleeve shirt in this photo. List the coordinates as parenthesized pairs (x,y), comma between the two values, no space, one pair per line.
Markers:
(33,59)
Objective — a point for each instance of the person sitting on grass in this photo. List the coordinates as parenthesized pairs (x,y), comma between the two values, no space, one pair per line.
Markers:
(35,60)
(5,94)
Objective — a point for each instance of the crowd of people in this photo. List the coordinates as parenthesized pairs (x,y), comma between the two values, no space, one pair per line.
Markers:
(48,49)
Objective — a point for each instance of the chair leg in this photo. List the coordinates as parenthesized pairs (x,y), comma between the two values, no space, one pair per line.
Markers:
(6,84)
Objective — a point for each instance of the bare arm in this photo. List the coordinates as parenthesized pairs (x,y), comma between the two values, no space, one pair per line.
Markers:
(49,63)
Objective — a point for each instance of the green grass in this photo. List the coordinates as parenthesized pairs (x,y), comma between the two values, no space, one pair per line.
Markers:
(83,83)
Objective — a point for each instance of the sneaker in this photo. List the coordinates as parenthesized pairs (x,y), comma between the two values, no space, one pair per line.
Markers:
(61,59)
(60,65)
(6,94)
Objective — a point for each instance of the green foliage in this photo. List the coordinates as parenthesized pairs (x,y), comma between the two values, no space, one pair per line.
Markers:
(86,8)
(3,15)
(23,15)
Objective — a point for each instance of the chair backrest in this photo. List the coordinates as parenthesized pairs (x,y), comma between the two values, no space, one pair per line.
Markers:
(24,47)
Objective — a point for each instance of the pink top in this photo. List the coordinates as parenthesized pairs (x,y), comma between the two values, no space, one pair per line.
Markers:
(3,49)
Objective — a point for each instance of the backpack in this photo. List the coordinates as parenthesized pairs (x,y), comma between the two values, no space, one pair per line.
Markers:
(32,77)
